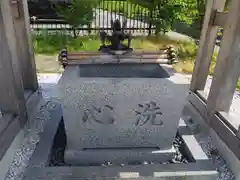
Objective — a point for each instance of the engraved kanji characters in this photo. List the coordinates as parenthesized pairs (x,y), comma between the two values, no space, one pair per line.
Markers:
(103,115)
(148,113)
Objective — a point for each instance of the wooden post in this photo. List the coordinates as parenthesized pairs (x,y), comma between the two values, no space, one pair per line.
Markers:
(24,43)
(227,69)
(11,89)
(207,45)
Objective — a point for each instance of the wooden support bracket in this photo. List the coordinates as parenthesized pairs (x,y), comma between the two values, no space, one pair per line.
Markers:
(15,9)
(219,18)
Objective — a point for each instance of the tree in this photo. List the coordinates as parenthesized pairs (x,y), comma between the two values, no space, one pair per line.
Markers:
(201,7)
(165,12)
(77,13)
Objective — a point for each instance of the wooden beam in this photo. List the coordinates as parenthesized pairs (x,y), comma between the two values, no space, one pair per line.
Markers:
(11,89)
(238,132)
(112,58)
(136,56)
(5,121)
(227,69)
(119,61)
(90,53)
(8,135)
(198,103)
(232,118)
(220,19)
(207,45)
(24,44)
(227,136)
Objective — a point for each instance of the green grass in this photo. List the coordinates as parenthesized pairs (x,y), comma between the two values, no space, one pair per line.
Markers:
(45,43)
(238,85)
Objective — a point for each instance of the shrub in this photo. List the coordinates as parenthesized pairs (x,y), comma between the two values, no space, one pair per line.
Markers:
(78,13)
(187,50)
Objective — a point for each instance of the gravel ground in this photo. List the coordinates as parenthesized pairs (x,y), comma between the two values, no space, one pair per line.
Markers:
(48,82)
(22,156)
(224,172)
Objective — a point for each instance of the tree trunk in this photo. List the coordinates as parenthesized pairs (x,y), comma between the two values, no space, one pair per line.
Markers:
(89,29)
(75,34)
(150,23)
(201,11)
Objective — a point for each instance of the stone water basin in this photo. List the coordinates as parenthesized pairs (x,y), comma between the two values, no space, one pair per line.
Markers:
(120,112)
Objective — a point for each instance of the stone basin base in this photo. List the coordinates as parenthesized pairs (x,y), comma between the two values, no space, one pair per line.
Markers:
(199,167)
(118,156)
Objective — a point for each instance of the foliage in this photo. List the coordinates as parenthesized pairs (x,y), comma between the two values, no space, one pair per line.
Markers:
(47,43)
(127,8)
(238,85)
(213,63)
(187,50)
(165,12)
(201,6)
(228,3)
(78,13)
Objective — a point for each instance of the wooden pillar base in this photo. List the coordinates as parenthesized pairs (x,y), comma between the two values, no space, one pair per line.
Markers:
(11,89)
(24,45)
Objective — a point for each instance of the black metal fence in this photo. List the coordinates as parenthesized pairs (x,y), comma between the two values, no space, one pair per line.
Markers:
(138,18)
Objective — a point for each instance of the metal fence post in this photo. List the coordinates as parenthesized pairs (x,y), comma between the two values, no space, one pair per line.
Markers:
(150,23)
